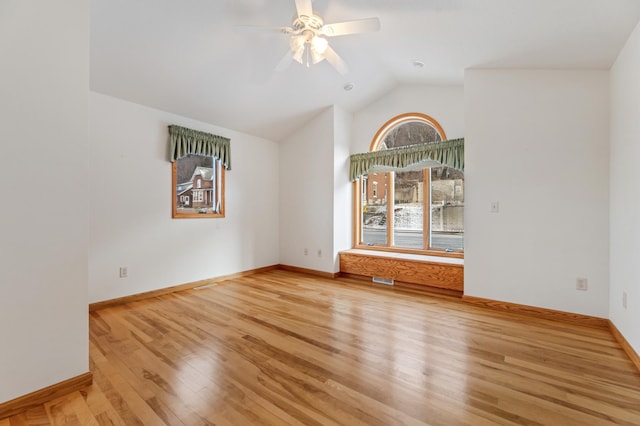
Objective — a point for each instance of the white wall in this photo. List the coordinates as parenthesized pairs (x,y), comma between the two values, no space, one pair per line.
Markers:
(342,187)
(307,195)
(131,222)
(443,103)
(624,187)
(538,143)
(43,221)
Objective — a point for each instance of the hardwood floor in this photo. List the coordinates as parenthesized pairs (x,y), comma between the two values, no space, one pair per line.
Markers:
(286,348)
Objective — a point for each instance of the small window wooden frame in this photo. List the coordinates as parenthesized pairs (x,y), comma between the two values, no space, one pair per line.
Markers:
(197,187)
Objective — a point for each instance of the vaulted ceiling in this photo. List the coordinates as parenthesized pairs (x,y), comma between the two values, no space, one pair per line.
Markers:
(188,57)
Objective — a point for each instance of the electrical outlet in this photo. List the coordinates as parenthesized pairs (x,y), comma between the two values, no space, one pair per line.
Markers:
(624,299)
(582,284)
(124,272)
(306,251)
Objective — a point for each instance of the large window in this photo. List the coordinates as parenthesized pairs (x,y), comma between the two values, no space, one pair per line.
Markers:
(417,209)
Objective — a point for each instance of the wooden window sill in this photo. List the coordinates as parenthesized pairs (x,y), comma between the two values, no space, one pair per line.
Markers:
(420,269)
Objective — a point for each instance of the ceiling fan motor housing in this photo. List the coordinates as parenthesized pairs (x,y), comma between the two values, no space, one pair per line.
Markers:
(308,23)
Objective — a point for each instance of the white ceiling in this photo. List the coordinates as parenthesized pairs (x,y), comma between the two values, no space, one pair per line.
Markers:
(187,56)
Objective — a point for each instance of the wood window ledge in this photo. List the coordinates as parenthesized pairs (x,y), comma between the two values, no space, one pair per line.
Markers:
(409,256)
(415,269)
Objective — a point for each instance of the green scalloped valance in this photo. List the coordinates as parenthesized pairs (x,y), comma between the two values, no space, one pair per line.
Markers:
(447,153)
(188,141)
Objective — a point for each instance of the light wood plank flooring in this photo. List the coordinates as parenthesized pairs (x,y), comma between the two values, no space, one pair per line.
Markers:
(285,348)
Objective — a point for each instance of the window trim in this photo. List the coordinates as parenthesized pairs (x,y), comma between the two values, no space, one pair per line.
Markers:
(357,198)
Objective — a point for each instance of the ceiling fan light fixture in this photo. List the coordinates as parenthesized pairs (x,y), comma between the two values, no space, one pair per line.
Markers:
(316,56)
(319,44)
(297,48)
(297,54)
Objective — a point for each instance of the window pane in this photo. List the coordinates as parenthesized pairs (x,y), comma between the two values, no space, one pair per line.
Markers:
(447,208)
(198,187)
(408,211)
(374,209)
(410,133)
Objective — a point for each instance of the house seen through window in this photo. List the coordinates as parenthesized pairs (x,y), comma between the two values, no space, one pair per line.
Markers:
(199,189)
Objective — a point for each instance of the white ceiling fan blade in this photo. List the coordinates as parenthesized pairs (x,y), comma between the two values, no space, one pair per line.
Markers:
(351,27)
(254,29)
(284,63)
(304,8)
(336,61)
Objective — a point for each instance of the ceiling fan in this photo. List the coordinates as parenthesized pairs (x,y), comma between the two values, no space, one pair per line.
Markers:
(308,37)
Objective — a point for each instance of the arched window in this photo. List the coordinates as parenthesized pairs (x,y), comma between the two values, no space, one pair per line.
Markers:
(417,209)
